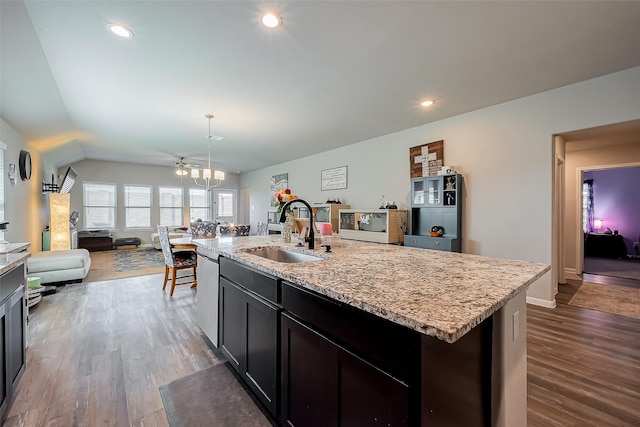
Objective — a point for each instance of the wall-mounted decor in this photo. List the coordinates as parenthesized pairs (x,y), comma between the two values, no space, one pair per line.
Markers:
(278,182)
(426,159)
(334,179)
(13,176)
(24,162)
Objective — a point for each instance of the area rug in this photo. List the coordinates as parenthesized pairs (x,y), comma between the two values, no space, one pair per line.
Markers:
(211,397)
(623,268)
(621,300)
(109,265)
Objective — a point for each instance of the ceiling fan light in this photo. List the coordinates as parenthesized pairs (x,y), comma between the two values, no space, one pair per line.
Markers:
(181,172)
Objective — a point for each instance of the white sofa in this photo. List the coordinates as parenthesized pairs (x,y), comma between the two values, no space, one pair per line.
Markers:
(59,266)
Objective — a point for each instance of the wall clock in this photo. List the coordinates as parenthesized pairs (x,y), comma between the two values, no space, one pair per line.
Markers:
(25,165)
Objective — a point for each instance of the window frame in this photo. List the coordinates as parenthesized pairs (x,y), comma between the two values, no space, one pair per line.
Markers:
(161,207)
(126,206)
(232,218)
(114,207)
(207,208)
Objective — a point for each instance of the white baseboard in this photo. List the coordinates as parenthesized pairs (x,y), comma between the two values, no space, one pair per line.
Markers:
(541,302)
(571,273)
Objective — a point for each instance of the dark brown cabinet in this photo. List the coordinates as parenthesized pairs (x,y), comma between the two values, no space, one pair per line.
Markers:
(13,316)
(250,333)
(324,384)
(315,361)
(16,337)
(231,324)
(261,349)
(308,375)
(4,384)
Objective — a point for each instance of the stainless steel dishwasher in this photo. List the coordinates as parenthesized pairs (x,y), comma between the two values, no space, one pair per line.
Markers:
(207,297)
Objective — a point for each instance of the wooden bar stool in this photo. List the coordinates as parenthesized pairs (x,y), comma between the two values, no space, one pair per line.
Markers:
(174,261)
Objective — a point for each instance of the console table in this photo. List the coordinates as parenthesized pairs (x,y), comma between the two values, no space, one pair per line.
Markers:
(605,246)
(95,240)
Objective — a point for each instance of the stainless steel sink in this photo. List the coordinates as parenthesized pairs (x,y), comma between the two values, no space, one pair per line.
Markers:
(276,253)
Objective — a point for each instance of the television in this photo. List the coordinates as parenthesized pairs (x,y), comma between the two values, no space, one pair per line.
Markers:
(68,181)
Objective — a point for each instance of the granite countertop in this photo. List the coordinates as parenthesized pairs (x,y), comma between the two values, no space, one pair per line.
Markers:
(440,294)
(10,255)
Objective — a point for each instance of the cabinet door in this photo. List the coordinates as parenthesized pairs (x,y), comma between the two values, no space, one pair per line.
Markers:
(16,337)
(4,383)
(261,355)
(368,396)
(426,191)
(231,322)
(433,196)
(308,377)
(427,242)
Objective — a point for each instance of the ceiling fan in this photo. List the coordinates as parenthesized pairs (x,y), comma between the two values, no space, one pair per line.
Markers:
(181,168)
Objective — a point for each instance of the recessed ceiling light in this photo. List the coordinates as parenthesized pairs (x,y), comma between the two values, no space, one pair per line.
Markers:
(120,30)
(271,20)
(428,103)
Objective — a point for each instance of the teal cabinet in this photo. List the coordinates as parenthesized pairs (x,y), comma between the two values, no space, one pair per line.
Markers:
(436,201)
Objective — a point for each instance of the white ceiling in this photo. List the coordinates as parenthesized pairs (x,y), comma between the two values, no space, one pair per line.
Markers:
(336,72)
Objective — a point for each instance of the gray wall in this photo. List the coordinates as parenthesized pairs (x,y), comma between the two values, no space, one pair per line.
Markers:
(126,173)
(504,152)
(26,208)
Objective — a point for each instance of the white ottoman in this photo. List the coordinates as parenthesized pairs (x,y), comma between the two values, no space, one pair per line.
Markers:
(59,266)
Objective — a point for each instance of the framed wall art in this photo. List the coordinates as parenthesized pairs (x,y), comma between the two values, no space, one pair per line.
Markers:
(334,179)
(426,159)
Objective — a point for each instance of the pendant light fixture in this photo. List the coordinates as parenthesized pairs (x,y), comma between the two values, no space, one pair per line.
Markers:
(209,181)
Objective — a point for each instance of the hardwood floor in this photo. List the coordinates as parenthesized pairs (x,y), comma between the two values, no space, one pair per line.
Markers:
(99,352)
(583,365)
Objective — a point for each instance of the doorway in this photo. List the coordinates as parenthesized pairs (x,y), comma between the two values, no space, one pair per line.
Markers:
(604,147)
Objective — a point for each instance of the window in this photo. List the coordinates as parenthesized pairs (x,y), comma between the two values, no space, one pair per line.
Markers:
(199,204)
(99,202)
(226,205)
(171,203)
(137,206)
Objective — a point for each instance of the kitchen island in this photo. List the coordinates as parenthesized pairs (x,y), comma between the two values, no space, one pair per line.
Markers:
(403,335)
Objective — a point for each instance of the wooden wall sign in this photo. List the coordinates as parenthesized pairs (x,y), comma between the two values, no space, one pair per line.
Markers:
(426,159)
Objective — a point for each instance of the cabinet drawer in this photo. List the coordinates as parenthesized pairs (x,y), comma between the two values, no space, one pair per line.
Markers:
(10,281)
(381,342)
(262,284)
(436,243)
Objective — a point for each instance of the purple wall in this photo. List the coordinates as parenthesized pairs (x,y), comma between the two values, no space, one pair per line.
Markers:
(616,199)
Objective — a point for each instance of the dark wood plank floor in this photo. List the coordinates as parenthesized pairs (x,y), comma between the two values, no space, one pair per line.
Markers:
(99,352)
(583,365)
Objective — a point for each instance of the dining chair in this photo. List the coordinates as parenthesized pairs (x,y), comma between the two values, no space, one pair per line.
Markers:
(176,260)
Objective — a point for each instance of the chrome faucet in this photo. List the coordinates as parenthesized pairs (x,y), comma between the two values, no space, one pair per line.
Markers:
(311,238)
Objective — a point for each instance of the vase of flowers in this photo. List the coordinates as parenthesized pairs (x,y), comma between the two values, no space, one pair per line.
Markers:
(282,197)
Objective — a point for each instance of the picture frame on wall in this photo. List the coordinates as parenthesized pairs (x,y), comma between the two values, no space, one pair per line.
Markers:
(277,183)
(333,179)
